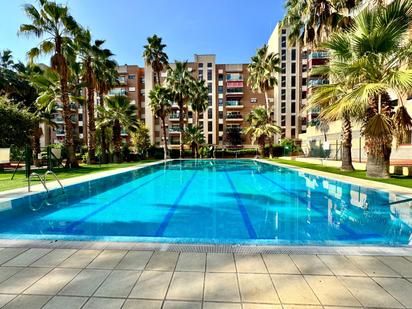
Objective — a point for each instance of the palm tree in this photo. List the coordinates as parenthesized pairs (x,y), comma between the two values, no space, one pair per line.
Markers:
(6,59)
(374,54)
(179,81)
(57,27)
(106,79)
(199,98)
(118,113)
(155,56)
(260,128)
(161,105)
(90,55)
(262,72)
(194,137)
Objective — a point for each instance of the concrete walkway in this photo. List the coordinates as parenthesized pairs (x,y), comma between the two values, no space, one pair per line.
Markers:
(71,278)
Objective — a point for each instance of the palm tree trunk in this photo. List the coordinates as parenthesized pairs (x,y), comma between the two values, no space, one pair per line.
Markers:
(164,139)
(346,145)
(181,128)
(68,125)
(379,149)
(117,141)
(105,150)
(266,101)
(261,143)
(91,125)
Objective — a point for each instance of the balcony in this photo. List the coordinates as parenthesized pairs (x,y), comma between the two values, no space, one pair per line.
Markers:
(233,104)
(234,77)
(60,132)
(174,117)
(318,55)
(235,91)
(124,132)
(233,117)
(117,91)
(317,82)
(174,130)
(58,119)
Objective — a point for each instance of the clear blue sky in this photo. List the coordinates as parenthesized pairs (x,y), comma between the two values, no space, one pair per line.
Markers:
(231,29)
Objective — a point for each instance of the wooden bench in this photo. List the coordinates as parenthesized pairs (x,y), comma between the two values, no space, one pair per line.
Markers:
(401,167)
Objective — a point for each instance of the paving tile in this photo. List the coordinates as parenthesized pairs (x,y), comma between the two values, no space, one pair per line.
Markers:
(280,264)
(261,306)
(7,272)
(104,303)
(399,288)
(250,264)
(80,259)
(293,289)
(221,287)
(27,257)
(310,265)
(170,304)
(5,298)
(22,280)
(165,261)
(108,259)
(341,266)
(53,282)
(372,266)
(369,293)
(140,304)
(409,258)
(257,288)
(209,305)
(399,264)
(308,307)
(179,290)
(118,284)
(68,302)
(152,285)
(220,262)
(85,283)
(27,301)
(191,262)
(53,258)
(135,260)
(9,253)
(331,291)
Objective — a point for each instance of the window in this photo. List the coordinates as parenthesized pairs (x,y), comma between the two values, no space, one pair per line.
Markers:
(293,81)
(283,107)
(303,95)
(142,80)
(220,114)
(209,87)
(210,126)
(283,81)
(283,54)
(283,94)
(293,107)
(221,127)
(220,89)
(293,54)
(200,65)
(80,117)
(283,31)
(283,44)
(220,102)
(210,100)
(209,113)
(293,132)
(293,67)
(253,100)
(293,121)
(142,91)
(293,94)
(283,120)
(190,114)
(283,66)
(132,89)
(209,75)
(220,77)
(304,81)
(210,139)
(80,130)
(200,75)
(209,65)
(132,76)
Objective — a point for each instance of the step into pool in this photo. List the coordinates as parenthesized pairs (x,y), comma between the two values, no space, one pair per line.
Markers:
(216,202)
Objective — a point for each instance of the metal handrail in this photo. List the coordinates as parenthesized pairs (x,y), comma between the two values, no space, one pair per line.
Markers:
(41,180)
(55,177)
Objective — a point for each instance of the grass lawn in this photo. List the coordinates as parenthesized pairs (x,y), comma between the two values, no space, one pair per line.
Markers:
(398,180)
(21,181)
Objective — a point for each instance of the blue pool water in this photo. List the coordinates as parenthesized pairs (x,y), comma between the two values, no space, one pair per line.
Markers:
(219,201)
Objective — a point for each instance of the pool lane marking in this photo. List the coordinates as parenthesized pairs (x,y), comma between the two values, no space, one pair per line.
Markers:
(160,231)
(304,201)
(103,207)
(242,208)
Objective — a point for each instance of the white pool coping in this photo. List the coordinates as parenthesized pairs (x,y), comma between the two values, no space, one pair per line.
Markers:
(208,248)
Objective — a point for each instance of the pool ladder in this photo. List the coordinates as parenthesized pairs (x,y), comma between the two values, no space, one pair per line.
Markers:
(43,180)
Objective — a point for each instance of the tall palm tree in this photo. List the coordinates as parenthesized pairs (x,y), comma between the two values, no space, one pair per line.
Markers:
(6,59)
(155,56)
(374,54)
(199,98)
(118,113)
(194,137)
(57,27)
(262,72)
(91,55)
(260,128)
(161,105)
(179,81)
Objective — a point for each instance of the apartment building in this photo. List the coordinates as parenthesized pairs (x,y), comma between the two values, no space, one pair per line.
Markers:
(230,101)
(289,96)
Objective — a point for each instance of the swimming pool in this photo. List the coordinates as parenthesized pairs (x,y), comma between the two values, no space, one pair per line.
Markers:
(213,201)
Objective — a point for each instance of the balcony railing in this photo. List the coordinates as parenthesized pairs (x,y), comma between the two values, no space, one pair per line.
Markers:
(118,91)
(230,91)
(318,55)
(233,103)
(174,130)
(317,82)
(174,116)
(234,116)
